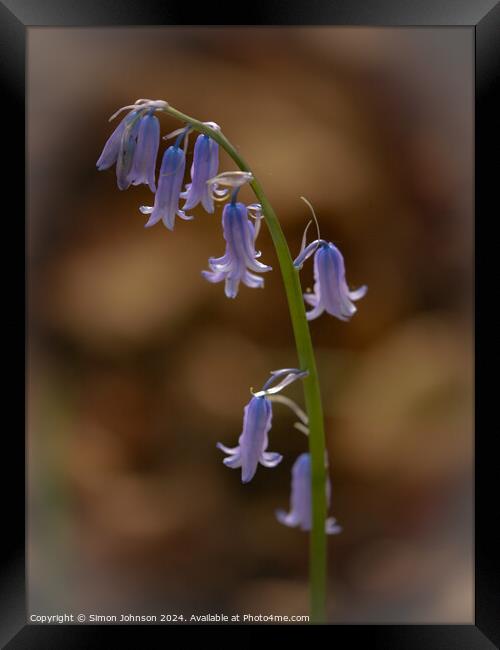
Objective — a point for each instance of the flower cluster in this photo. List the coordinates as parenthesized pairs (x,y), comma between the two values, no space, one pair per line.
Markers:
(133,145)
(133,148)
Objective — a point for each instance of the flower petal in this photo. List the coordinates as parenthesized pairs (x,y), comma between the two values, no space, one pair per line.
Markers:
(270,459)
(358,293)
(331,526)
(287,518)
(228,450)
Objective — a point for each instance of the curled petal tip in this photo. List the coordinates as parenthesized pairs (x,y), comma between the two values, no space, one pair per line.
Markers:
(332,527)
(357,294)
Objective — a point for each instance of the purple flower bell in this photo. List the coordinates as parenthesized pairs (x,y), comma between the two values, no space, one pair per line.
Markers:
(111,149)
(144,163)
(253,441)
(120,149)
(258,413)
(300,500)
(133,145)
(166,205)
(240,258)
(331,293)
(205,166)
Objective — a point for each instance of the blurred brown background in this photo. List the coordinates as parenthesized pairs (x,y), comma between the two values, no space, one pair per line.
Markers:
(138,366)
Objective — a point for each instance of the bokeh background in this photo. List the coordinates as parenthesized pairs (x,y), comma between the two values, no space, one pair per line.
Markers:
(138,366)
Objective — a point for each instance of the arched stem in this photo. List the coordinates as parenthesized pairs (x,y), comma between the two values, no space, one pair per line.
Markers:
(305,352)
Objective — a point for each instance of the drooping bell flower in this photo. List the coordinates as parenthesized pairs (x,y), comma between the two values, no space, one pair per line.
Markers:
(205,166)
(300,500)
(111,149)
(331,293)
(253,441)
(240,258)
(144,163)
(132,144)
(166,205)
(125,158)
(120,149)
(257,418)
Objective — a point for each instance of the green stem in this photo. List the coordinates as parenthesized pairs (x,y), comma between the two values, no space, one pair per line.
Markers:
(305,351)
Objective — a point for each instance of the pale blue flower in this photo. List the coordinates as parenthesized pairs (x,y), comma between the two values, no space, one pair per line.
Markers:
(120,149)
(133,145)
(300,500)
(331,293)
(144,163)
(257,418)
(205,166)
(166,205)
(240,257)
(253,441)
(111,149)
(126,154)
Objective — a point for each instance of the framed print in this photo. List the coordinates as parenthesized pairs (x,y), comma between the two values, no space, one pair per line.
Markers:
(254,261)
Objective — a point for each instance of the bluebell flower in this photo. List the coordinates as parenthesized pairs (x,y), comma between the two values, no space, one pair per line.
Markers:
(120,149)
(331,293)
(126,154)
(253,441)
(111,149)
(300,500)
(144,163)
(240,257)
(256,425)
(133,144)
(205,166)
(166,205)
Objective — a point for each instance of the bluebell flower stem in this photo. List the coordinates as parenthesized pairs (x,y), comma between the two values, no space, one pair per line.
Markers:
(307,361)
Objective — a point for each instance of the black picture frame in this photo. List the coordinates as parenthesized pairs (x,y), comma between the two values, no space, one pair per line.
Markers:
(481,16)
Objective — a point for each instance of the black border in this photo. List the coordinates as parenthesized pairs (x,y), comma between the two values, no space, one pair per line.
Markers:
(483,16)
